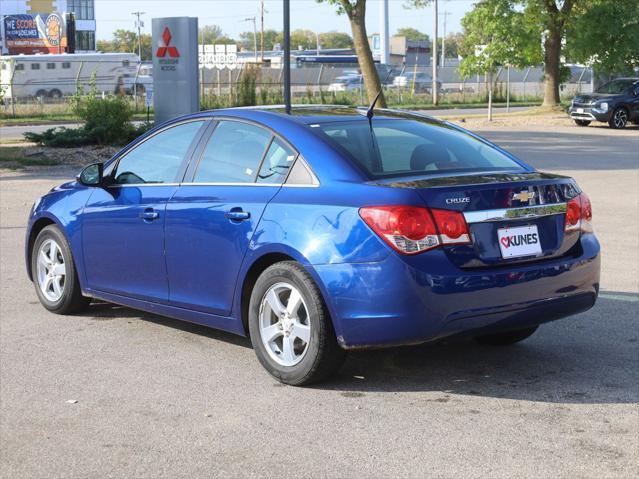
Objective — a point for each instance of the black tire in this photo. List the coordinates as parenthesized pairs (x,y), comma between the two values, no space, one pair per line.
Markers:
(323,355)
(506,338)
(41,94)
(55,93)
(619,118)
(582,122)
(71,300)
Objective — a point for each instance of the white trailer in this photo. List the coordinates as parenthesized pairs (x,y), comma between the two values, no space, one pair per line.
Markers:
(57,75)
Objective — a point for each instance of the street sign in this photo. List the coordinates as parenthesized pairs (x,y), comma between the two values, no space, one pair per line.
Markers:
(148,97)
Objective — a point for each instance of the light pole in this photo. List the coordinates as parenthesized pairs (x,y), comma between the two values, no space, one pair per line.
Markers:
(252,19)
(434,54)
(444,14)
(287,56)
(139,24)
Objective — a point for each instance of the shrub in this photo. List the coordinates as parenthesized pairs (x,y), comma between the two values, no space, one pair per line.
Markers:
(107,121)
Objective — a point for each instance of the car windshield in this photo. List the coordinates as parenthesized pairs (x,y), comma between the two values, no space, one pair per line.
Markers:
(615,86)
(399,147)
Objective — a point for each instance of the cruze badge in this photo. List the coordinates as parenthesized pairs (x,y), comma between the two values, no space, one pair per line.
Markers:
(524,196)
(457,201)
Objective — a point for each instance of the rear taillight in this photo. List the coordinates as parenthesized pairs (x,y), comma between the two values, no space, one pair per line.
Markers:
(579,214)
(411,229)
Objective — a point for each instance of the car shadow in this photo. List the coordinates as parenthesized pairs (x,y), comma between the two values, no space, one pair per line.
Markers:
(103,311)
(590,358)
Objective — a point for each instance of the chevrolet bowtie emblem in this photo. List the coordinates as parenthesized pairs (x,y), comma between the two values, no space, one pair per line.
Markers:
(524,196)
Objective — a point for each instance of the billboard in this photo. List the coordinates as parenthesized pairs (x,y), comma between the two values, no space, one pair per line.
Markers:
(37,33)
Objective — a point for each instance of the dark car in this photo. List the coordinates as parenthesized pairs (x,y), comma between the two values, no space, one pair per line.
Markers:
(616,102)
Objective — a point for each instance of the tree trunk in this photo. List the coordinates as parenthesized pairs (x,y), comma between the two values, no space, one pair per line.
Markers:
(373,86)
(552,54)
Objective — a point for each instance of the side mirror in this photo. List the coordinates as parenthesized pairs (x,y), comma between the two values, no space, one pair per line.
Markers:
(92,175)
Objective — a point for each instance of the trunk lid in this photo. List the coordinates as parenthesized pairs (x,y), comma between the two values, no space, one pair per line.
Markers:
(497,205)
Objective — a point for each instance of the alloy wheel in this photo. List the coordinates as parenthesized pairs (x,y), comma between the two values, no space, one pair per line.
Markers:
(285,328)
(51,270)
(620,118)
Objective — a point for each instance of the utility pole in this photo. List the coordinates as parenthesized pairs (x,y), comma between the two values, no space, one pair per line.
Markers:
(252,19)
(434,53)
(443,62)
(139,24)
(287,56)
(262,31)
(383,33)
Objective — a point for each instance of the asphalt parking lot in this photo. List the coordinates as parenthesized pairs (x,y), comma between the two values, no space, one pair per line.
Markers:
(160,398)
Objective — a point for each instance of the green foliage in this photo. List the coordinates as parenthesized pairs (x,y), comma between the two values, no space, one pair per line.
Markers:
(412,34)
(505,37)
(606,35)
(213,35)
(247,95)
(334,39)
(107,121)
(126,41)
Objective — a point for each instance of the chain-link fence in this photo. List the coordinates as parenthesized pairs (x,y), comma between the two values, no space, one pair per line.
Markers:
(33,87)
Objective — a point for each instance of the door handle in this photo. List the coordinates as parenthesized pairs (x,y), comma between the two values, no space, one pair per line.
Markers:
(150,215)
(237,215)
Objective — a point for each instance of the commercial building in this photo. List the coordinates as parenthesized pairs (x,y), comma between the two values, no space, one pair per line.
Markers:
(39,10)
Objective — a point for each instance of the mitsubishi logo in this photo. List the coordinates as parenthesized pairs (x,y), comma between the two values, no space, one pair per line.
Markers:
(524,196)
(165,47)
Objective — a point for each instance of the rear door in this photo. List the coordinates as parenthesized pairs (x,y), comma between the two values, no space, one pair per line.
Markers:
(123,224)
(211,219)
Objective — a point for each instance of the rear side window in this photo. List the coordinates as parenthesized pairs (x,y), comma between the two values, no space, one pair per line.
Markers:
(278,160)
(233,154)
(410,147)
(158,159)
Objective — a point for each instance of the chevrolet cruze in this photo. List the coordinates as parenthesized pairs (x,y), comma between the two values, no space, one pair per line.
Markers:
(319,232)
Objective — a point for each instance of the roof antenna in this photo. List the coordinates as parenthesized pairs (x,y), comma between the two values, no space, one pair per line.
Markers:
(370,112)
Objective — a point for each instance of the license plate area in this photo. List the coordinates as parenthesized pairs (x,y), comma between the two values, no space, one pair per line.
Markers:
(580,110)
(519,241)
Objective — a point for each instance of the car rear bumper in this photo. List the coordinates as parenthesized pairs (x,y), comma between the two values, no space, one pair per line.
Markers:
(399,301)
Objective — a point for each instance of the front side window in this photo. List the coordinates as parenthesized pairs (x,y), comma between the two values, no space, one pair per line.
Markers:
(277,162)
(397,147)
(19,67)
(233,154)
(158,159)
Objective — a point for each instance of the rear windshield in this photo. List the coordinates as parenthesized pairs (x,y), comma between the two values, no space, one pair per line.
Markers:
(409,147)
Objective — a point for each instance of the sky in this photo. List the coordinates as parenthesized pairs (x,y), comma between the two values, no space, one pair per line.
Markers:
(308,14)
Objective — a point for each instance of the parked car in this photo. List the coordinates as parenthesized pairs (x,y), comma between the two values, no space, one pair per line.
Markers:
(615,103)
(346,83)
(319,232)
(423,83)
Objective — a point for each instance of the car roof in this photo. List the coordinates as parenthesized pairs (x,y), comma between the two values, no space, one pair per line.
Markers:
(315,114)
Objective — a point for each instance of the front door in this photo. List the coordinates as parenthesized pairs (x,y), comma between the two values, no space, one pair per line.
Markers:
(123,223)
(211,221)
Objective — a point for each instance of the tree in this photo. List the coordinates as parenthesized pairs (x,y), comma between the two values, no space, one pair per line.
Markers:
(334,39)
(495,34)
(126,41)
(355,10)
(591,40)
(212,35)
(453,41)
(413,34)
(552,21)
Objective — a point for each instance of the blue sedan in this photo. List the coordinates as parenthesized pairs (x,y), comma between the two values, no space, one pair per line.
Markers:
(318,232)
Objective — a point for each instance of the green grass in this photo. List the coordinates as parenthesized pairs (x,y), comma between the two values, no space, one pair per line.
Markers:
(12,157)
